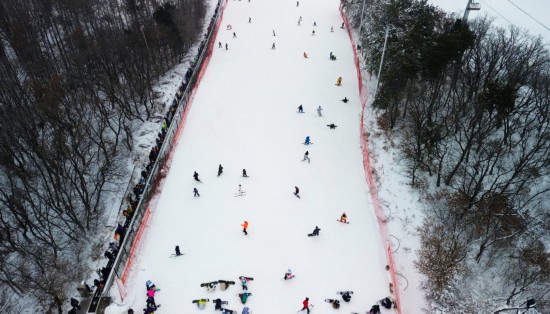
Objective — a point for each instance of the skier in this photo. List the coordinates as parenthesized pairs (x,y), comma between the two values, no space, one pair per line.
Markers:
(273,46)
(315,232)
(345,100)
(195,192)
(307,142)
(300,109)
(319,111)
(305,55)
(244,281)
(344,218)
(339,81)
(332,29)
(274,33)
(219,44)
(313,33)
(297,3)
(196,176)
(240,192)
(335,303)
(306,157)
(306,305)
(332,126)
(244,173)
(314,23)
(342,27)
(178,253)
(234,35)
(226,47)
(220,170)
(150,285)
(249,20)
(288,275)
(297,191)
(245,226)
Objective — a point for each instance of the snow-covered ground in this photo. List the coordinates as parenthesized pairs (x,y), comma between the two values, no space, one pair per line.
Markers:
(244,115)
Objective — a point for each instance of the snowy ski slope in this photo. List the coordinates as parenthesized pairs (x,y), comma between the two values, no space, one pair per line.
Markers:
(244,115)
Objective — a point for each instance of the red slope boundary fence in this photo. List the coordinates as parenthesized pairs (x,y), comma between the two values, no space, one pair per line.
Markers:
(125,259)
(382,219)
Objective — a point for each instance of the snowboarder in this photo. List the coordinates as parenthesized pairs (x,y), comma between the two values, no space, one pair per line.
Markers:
(339,81)
(196,176)
(313,33)
(201,304)
(332,126)
(274,33)
(244,281)
(245,226)
(226,48)
(345,100)
(305,55)
(307,142)
(375,309)
(220,170)
(335,303)
(244,296)
(346,296)
(319,109)
(306,305)
(150,309)
(218,304)
(244,173)
(240,192)
(195,192)
(306,157)
(178,253)
(288,275)
(300,109)
(234,35)
(273,46)
(297,191)
(315,232)
(344,218)
(219,44)
(386,302)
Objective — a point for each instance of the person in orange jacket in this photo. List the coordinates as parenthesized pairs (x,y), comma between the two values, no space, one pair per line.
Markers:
(245,226)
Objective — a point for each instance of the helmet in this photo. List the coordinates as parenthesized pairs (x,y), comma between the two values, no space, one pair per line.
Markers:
(289,270)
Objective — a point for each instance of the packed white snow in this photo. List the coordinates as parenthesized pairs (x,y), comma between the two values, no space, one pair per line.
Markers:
(244,115)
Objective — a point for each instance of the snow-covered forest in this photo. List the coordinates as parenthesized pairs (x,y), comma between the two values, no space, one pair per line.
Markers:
(77,81)
(467,105)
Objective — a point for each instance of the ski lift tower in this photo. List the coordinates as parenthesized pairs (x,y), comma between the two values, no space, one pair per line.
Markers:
(471,6)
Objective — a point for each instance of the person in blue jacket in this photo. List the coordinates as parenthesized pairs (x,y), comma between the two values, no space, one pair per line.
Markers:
(307,142)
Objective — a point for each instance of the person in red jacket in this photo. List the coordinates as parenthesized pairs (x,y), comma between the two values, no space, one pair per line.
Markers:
(306,305)
(245,226)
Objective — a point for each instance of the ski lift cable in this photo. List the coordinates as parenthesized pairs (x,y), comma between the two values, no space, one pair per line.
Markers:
(490,7)
(529,15)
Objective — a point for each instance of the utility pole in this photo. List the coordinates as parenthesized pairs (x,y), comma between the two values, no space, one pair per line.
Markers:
(361,22)
(382,58)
